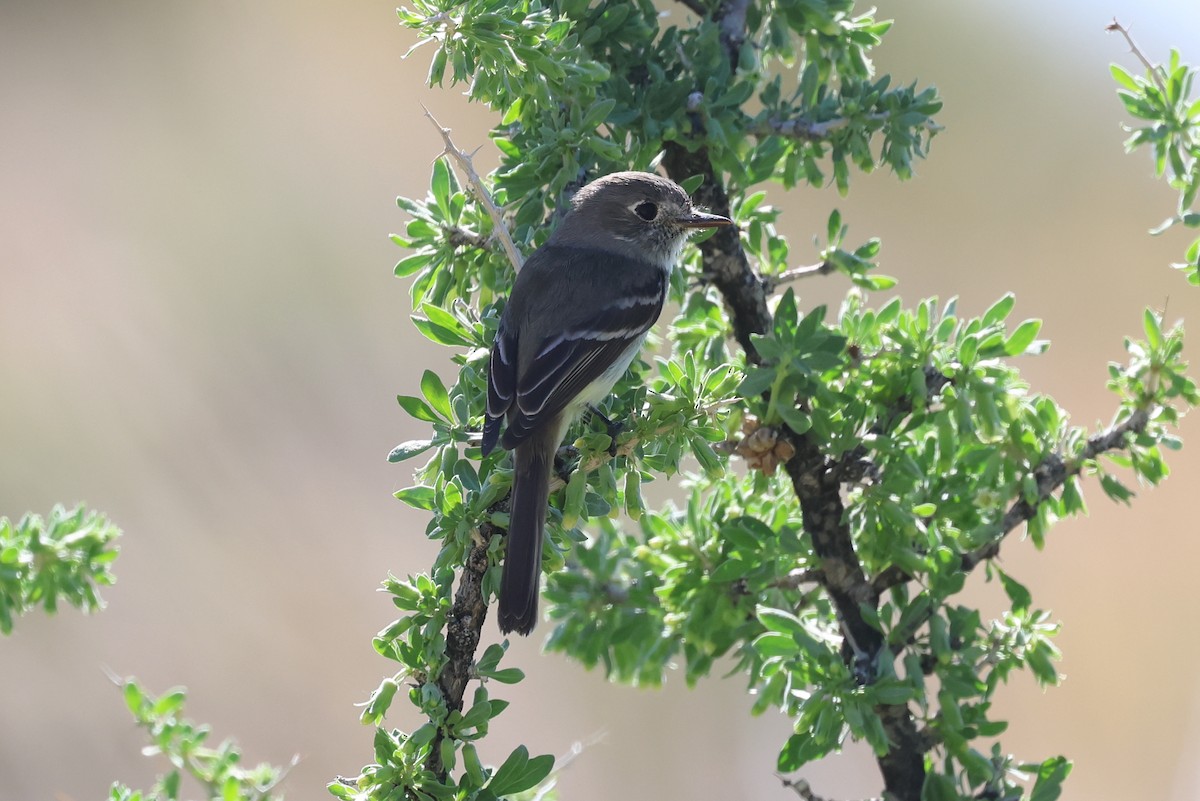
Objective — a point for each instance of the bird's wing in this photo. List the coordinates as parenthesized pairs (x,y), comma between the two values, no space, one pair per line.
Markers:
(502,384)
(567,363)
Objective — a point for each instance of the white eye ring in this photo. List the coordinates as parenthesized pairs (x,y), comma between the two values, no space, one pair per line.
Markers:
(647,210)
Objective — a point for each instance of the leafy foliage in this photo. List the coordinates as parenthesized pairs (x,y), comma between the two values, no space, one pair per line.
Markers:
(217,770)
(42,560)
(910,446)
(1167,112)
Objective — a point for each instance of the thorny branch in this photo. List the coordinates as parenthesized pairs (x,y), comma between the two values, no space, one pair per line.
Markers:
(1133,48)
(463,159)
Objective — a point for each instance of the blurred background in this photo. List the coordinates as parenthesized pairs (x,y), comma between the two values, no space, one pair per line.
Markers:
(200,335)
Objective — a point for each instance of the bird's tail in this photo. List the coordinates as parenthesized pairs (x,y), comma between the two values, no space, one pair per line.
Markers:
(533,460)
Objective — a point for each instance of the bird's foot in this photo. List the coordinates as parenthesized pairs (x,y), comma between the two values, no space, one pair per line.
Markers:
(614,429)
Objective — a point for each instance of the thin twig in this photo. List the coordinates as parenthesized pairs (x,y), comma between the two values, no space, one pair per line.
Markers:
(793,580)
(463,159)
(801,788)
(1133,48)
(796,273)
(809,131)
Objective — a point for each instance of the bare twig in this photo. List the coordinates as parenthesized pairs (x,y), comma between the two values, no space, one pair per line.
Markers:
(796,273)
(798,577)
(458,236)
(463,159)
(1133,48)
(801,788)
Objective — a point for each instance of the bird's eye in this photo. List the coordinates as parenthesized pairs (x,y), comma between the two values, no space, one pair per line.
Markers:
(646,210)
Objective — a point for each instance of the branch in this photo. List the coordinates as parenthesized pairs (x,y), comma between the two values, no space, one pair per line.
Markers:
(801,788)
(1051,474)
(599,458)
(463,159)
(773,282)
(809,131)
(731,20)
(696,7)
(1133,48)
(799,577)
(726,265)
(459,236)
(815,479)
(464,624)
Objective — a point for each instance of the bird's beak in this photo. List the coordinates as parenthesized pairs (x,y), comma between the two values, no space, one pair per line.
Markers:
(700,219)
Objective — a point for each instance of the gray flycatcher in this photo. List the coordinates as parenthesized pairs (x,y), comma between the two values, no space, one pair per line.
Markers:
(578,314)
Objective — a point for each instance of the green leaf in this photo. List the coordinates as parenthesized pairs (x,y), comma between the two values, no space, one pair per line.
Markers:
(875,282)
(795,419)
(417,408)
(999,311)
(1152,324)
(780,621)
(407,450)
(1114,489)
(410,264)
(418,497)
(1122,77)
(573,506)
(939,788)
(442,327)
(440,334)
(1017,593)
(507,675)
(440,186)
(435,392)
(1040,658)
(1020,340)
(598,113)
(833,228)
(730,570)
(1050,776)
(775,644)
(519,772)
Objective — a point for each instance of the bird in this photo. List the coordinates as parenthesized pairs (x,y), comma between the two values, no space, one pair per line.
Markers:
(577,315)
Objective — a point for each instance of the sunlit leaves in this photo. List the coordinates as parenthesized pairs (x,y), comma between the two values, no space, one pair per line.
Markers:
(1166,114)
(66,556)
(183,745)
(937,446)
